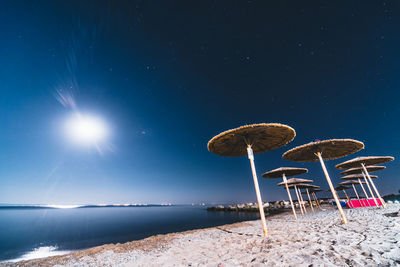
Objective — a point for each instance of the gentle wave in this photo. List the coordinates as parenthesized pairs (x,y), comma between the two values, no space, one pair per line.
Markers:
(40,252)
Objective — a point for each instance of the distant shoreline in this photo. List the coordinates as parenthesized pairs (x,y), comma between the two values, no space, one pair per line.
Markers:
(50,206)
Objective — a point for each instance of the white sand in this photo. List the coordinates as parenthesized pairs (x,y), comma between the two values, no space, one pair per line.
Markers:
(318,239)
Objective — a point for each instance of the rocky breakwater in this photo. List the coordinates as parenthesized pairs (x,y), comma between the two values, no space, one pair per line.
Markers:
(269,207)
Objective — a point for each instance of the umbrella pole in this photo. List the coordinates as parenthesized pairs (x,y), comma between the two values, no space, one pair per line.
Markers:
(309,199)
(365,192)
(290,197)
(373,185)
(260,204)
(328,179)
(302,201)
(313,197)
(319,203)
(346,195)
(316,200)
(298,200)
(348,199)
(370,190)
(355,191)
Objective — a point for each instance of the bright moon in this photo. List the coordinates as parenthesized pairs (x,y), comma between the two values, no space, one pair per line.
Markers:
(85,129)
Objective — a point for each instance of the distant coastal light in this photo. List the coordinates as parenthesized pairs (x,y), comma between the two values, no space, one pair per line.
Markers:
(63,206)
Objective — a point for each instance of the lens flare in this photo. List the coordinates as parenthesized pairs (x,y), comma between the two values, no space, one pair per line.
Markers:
(86,129)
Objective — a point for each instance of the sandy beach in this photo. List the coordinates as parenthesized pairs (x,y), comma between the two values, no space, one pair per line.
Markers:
(371,238)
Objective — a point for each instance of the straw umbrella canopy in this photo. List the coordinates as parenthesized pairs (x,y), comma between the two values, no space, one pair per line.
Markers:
(355,176)
(367,161)
(260,138)
(303,185)
(363,171)
(338,188)
(350,182)
(313,191)
(363,162)
(359,170)
(249,140)
(325,150)
(310,190)
(329,149)
(284,172)
(342,188)
(309,187)
(292,181)
(358,177)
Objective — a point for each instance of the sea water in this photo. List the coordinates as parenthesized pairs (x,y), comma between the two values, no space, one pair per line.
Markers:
(28,232)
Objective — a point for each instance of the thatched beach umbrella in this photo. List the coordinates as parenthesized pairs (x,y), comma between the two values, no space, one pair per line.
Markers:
(355,176)
(343,189)
(301,197)
(284,172)
(297,186)
(325,150)
(313,193)
(369,188)
(294,181)
(369,169)
(249,140)
(360,170)
(316,190)
(366,161)
(307,186)
(358,176)
(353,182)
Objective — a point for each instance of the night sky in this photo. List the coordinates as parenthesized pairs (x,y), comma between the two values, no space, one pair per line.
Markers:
(166,76)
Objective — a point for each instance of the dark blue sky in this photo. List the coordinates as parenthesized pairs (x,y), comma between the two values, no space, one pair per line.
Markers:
(169,75)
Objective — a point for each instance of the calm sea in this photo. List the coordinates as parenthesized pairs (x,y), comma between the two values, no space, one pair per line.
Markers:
(32,232)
